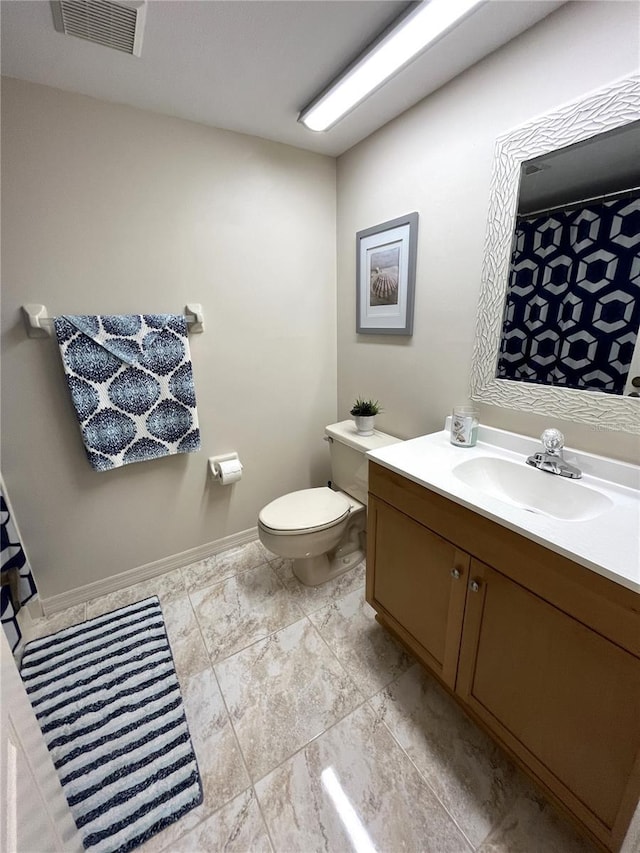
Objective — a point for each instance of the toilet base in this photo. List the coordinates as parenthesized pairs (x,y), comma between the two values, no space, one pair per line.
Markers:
(313,571)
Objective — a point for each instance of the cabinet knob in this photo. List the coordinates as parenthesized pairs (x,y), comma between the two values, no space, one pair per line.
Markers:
(455,574)
(474,586)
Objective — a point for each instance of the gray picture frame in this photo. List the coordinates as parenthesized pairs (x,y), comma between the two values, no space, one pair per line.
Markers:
(386,276)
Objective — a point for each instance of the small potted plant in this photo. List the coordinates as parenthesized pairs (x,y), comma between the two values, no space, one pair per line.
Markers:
(364,412)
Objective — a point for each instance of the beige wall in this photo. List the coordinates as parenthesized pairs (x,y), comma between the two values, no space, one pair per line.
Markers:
(110,209)
(107,209)
(437,159)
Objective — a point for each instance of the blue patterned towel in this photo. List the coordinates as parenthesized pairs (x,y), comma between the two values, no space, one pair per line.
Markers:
(131,383)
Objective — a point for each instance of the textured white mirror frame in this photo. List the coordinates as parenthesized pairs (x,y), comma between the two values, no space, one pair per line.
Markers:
(605,109)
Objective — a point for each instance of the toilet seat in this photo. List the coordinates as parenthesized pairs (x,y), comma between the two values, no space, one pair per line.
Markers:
(304,511)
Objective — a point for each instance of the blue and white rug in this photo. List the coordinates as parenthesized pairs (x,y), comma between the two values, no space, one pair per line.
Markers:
(107,699)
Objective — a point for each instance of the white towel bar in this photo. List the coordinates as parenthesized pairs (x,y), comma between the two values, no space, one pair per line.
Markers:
(39,325)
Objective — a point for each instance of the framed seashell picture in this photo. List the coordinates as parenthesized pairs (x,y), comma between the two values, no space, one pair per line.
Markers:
(386,276)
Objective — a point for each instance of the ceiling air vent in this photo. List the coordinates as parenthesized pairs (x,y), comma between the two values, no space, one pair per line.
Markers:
(116,25)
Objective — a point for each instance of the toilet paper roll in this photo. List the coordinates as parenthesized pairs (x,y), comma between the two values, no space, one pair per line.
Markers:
(230,471)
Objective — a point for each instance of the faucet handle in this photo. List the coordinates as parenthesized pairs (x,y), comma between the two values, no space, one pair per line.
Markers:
(553,440)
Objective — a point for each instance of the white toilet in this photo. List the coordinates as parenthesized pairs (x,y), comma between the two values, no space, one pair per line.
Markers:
(323,530)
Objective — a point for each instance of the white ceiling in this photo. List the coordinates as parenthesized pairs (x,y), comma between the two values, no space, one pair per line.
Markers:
(252,65)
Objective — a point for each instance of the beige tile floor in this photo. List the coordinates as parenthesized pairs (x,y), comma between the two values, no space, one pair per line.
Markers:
(315,731)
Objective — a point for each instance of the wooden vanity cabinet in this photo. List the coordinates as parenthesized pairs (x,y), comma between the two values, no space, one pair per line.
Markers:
(542,652)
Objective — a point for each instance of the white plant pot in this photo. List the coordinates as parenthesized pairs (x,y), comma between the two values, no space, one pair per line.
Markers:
(364,425)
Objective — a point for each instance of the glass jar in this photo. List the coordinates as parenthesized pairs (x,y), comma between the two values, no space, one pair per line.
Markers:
(464,426)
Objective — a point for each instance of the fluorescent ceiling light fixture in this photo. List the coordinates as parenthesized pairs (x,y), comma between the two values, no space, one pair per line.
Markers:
(414,32)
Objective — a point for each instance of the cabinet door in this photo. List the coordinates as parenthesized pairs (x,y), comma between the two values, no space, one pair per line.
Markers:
(561,696)
(417,582)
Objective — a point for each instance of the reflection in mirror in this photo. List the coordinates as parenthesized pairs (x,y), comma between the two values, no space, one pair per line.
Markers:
(613,107)
(572,307)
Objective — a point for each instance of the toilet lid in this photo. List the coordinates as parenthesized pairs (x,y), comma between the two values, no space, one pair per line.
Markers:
(305,510)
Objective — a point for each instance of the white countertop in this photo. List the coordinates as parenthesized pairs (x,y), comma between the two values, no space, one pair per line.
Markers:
(608,544)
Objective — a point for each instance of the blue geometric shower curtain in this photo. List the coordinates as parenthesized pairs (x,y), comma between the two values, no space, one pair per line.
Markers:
(573,303)
(13,560)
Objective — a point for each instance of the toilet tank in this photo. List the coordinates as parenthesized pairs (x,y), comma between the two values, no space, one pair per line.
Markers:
(349,464)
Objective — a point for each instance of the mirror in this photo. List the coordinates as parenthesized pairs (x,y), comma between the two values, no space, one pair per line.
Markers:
(572,307)
(550,322)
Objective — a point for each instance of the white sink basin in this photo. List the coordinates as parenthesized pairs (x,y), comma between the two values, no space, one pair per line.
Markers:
(594,520)
(529,488)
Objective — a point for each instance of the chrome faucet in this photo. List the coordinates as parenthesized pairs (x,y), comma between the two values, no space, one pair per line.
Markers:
(551,459)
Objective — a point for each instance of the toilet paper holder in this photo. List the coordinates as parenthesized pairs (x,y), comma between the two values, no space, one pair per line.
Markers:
(216,469)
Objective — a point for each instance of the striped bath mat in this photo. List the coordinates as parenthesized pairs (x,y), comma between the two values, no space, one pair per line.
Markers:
(108,702)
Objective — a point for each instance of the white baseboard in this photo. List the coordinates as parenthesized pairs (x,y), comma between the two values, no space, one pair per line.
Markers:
(113,583)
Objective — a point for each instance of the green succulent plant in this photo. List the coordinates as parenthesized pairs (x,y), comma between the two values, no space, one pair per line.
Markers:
(365,408)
